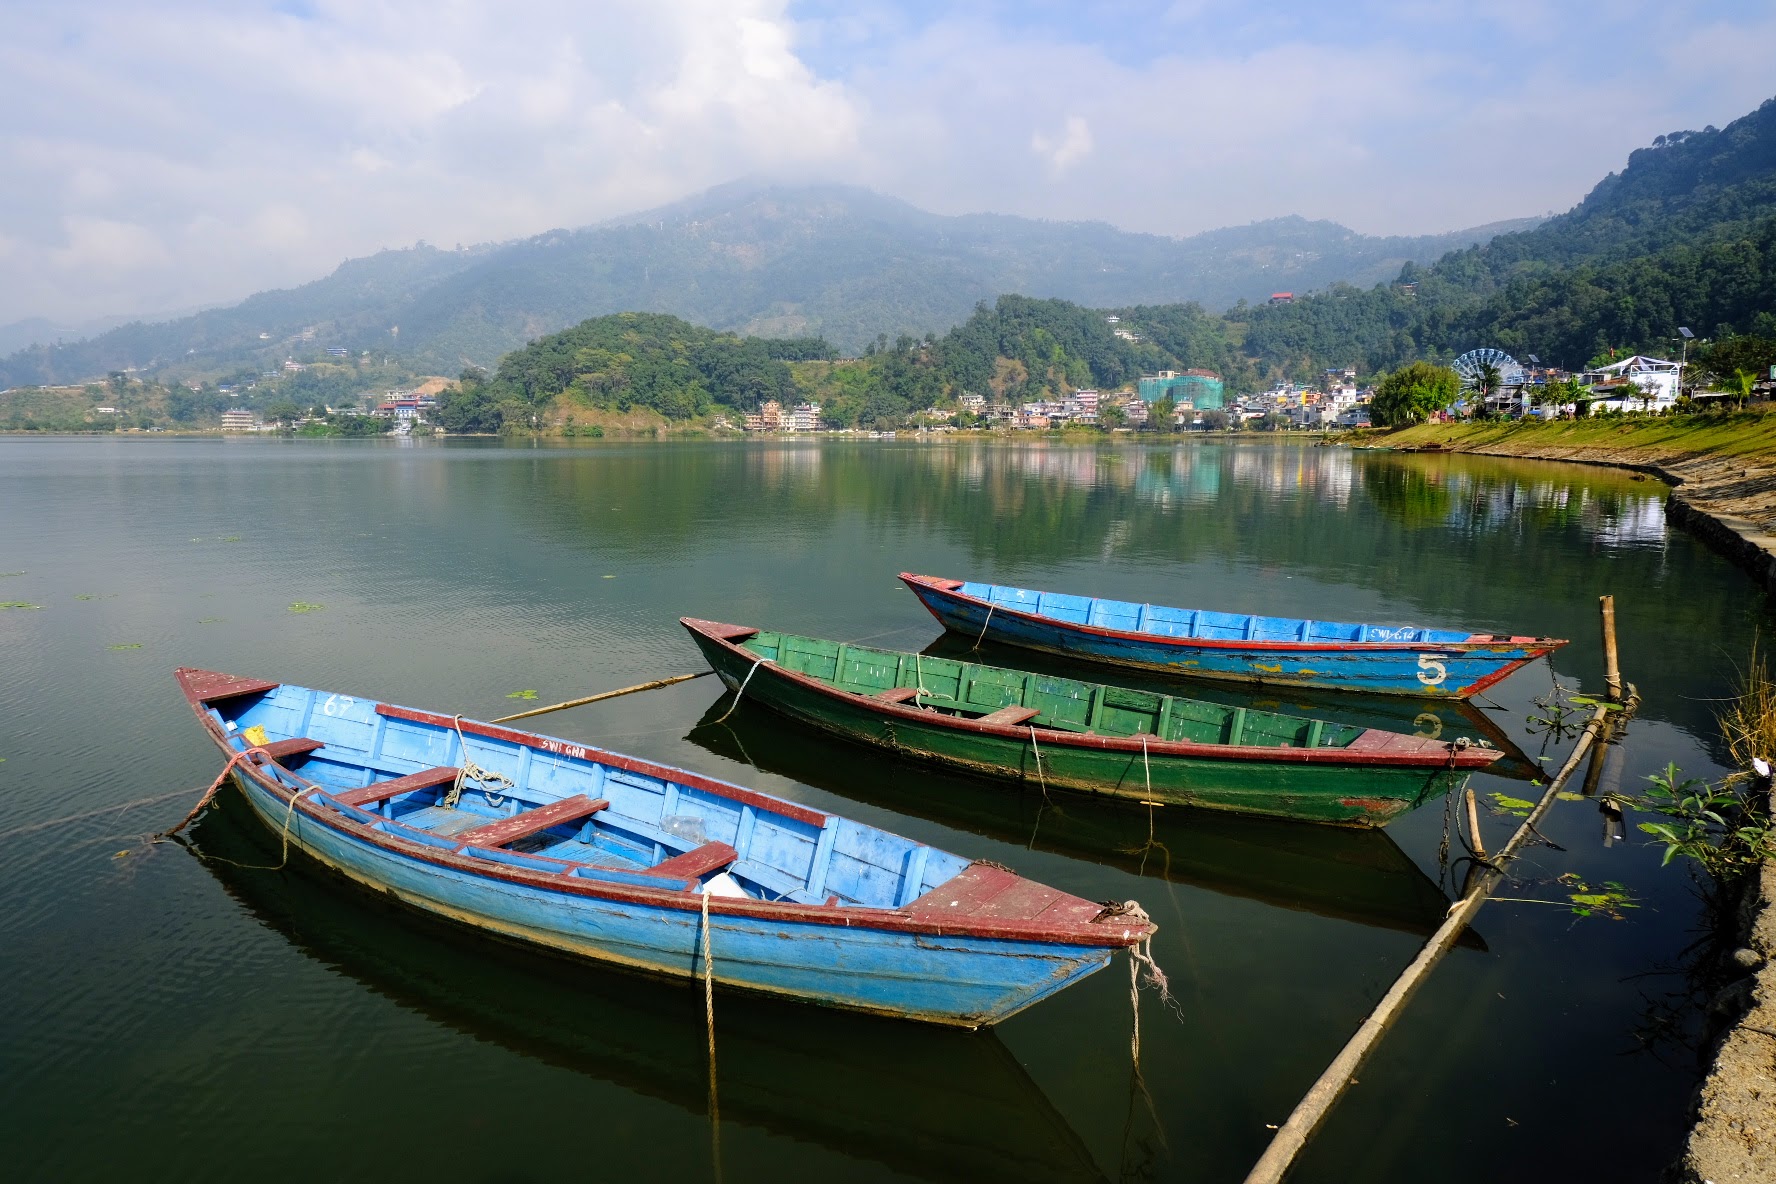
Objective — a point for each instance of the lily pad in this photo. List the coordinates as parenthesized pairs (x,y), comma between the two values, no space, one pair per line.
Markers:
(126,645)
(303,606)
(522,695)
(208,620)
(18,604)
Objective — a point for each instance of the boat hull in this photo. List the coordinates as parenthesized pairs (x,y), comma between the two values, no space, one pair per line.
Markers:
(1437,670)
(961,981)
(1289,784)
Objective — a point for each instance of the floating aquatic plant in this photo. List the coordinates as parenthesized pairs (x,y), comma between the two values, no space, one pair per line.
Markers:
(1609,898)
(522,695)
(303,606)
(126,645)
(18,604)
(1504,803)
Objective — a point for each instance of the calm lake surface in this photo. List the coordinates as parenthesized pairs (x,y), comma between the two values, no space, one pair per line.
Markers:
(172,1014)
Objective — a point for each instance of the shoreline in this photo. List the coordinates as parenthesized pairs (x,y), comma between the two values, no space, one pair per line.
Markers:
(1727,499)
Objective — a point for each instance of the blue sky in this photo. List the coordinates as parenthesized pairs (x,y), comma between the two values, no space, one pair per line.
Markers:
(194,151)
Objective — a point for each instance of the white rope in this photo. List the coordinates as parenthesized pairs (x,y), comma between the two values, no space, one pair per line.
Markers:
(486,780)
(742,690)
(918,679)
(1147,772)
(983,633)
(709,1025)
(1038,753)
(1142,952)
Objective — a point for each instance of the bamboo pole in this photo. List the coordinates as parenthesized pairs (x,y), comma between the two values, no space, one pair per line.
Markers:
(1474,824)
(1292,1136)
(643,686)
(1612,674)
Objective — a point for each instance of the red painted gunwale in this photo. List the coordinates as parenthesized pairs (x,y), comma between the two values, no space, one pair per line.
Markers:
(1372,747)
(1073,927)
(1539,646)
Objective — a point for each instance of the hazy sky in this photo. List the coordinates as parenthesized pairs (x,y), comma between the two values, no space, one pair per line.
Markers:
(157,156)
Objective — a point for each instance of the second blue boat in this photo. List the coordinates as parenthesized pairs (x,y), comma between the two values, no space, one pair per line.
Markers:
(1242,647)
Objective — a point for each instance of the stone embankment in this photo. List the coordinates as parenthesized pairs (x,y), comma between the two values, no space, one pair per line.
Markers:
(1728,498)
(1734,1138)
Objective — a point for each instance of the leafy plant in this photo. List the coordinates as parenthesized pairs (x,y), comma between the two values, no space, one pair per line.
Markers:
(18,604)
(303,606)
(522,695)
(1725,827)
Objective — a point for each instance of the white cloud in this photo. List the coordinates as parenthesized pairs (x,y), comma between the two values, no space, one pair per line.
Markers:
(1064,151)
(198,150)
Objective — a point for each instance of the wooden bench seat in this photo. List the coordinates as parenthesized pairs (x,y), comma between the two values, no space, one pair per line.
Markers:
(1010,717)
(540,818)
(695,863)
(283,750)
(382,791)
(897,694)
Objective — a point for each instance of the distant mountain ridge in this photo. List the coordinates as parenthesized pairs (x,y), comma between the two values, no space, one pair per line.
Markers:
(1684,235)
(780,261)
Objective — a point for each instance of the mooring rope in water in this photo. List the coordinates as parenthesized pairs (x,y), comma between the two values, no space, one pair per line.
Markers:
(117,809)
(1140,955)
(983,633)
(709,1026)
(1147,773)
(487,781)
(1038,753)
(209,793)
(742,691)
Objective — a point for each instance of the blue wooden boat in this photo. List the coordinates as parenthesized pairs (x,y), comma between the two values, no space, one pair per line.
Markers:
(616,859)
(1238,647)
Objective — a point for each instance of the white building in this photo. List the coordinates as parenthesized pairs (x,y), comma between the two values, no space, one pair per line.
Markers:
(805,417)
(1656,381)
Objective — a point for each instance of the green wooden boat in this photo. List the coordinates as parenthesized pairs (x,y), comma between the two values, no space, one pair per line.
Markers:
(1061,733)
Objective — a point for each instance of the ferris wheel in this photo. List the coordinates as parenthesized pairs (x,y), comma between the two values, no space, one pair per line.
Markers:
(1470,364)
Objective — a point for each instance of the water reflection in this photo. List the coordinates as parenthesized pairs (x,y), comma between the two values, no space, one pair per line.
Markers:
(931,1103)
(1348,874)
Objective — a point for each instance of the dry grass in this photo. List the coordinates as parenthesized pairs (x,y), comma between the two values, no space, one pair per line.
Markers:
(1749,722)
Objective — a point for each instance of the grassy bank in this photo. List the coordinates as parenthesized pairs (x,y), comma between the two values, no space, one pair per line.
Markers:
(1746,434)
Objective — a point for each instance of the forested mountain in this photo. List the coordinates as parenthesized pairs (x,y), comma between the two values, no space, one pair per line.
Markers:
(1016,349)
(832,261)
(1684,235)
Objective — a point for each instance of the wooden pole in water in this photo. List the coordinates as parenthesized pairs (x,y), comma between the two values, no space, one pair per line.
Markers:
(643,686)
(1293,1135)
(1474,824)
(1612,674)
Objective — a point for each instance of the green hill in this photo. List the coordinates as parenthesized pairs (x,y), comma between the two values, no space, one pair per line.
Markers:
(1684,235)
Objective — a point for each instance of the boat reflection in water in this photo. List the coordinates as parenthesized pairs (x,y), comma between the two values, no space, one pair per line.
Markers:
(1338,872)
(1434,719)
(934,1103)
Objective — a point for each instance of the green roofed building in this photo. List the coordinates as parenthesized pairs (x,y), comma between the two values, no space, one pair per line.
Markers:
(1202,389)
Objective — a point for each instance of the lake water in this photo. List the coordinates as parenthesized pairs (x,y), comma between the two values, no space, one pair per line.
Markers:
(171,1014)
